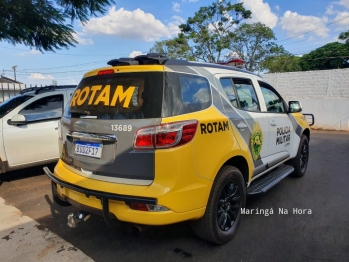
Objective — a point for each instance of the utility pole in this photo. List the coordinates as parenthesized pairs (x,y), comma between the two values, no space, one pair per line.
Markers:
(14,71)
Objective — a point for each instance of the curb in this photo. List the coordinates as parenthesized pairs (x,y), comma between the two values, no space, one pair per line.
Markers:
(23,239)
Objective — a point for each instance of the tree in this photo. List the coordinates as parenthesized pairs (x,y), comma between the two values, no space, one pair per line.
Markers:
(41,24)
(344,36)
(176,48)
(253,43)
(210,31)
(283,61)
(330,56)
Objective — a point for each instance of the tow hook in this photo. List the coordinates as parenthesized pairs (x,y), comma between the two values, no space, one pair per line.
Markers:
(75,220)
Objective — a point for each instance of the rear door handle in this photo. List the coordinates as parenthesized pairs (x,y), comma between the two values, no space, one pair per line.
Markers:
(56,128)
(273,123)
(241,125)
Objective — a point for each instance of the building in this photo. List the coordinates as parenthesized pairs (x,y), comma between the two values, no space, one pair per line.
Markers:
(6,80)
(236,62)
(9,88)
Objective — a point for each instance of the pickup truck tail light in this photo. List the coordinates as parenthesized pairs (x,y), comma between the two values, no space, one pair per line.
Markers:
(166,135)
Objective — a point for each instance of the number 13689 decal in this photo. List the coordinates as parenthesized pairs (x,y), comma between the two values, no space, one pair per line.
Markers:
(127,128)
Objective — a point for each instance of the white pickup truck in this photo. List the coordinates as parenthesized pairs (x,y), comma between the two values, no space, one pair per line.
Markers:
(29,124)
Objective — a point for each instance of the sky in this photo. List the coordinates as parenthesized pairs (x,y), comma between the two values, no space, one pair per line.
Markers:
(130,28)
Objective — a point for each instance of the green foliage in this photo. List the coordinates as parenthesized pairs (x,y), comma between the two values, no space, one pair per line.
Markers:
(176,48)
(344,36)
(253,43)
(281,61)
(41,24)
(331,56)
(211,29)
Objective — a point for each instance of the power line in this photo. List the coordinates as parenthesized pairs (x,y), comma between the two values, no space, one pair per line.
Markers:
(111,55)
(313,29)
(62,66)
(314,38)
(63,72)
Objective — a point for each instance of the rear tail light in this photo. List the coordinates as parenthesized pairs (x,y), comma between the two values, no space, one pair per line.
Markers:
(165,135)
(147,207)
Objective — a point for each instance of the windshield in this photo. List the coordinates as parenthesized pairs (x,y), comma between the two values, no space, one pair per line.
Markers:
(12,103)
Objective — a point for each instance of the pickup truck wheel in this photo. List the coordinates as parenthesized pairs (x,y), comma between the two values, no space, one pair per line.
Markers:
(300,162)
(223,211)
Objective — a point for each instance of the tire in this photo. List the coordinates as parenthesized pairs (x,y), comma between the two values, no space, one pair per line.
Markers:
(56,197)
(300,162)
(223,211)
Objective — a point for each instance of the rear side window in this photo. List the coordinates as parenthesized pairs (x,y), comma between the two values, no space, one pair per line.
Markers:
(185,93)
(241,93)
(46,108)
(246,94)
(229,90)
(118,96)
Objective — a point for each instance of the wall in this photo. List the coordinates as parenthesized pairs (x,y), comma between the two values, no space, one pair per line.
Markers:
(9,90)
(323,93)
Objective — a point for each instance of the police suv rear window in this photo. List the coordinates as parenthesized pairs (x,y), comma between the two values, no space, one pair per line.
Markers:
(118,96)
(185,93)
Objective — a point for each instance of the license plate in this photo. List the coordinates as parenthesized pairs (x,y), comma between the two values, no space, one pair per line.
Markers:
(88,149)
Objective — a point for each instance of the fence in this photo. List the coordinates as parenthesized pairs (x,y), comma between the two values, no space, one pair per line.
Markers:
(8,90)
(323,93)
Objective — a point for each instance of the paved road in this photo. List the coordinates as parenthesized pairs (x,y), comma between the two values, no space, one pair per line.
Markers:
(322,235)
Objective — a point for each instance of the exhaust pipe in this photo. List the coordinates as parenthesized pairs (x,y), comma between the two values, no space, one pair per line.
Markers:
(137,229)
(75,220)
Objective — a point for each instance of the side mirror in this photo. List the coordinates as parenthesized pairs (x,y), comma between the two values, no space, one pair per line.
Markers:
(294,107)
(17,120)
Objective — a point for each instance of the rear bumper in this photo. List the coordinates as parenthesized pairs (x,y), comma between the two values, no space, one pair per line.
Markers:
(102,196)
(99,194)
(111,205)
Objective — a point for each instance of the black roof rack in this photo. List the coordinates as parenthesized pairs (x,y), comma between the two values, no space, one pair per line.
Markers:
(39,90)
(162,59)
(148,59)
(52,88)
(26,90)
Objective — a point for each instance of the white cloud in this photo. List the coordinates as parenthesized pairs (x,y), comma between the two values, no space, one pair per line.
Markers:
(131,25)
(174,23)
(31,52)
(342,18)
(193,1)
(329,10)
(135,53)
(40,76)
(261,12)
(344,3)
(296,24)
(73,82)
(277,8)
(35,52)
(176,7)
(84,41)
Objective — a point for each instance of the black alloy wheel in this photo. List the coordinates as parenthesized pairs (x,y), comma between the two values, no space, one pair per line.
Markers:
(304,154)
(223,211)
(300,162)
(228,206)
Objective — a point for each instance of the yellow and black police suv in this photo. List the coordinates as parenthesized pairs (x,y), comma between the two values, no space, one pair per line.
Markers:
(155,141)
